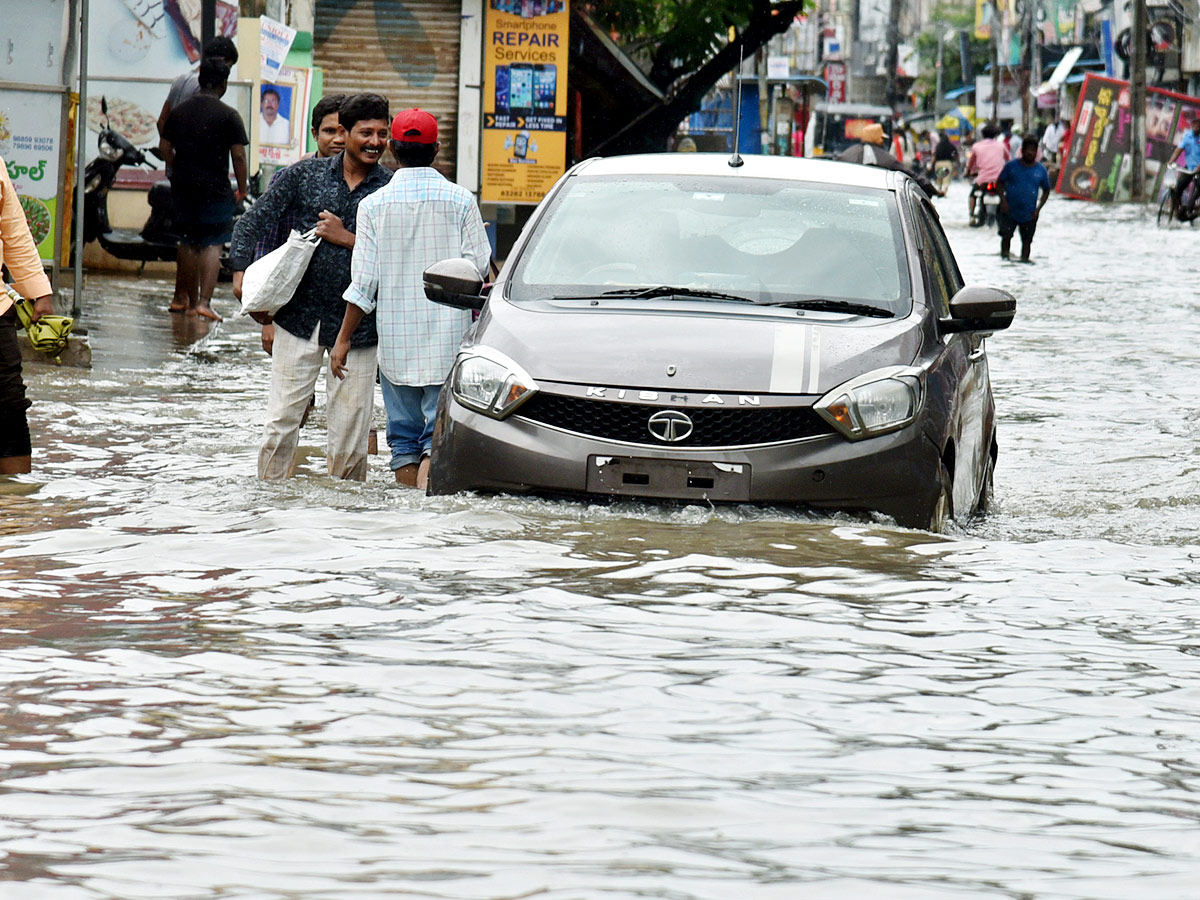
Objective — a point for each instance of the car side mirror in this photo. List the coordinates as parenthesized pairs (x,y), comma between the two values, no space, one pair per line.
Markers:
(977,308)
(454,282)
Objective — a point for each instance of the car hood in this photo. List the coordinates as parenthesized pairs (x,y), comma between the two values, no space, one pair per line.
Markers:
(708,350)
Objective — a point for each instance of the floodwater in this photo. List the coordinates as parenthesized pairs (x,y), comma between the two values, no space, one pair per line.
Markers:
(215,688)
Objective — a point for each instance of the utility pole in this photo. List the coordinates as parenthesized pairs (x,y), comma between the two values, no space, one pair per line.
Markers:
(937,91)
(1029,95)
(995,117)
(1137,102)
(208,21)
(1035,57)
(891,91)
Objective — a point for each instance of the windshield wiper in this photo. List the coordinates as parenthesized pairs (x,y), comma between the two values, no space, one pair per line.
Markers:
(666,290)
(822,305)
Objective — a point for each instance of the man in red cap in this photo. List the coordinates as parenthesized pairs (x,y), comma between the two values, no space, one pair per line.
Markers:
(417,219)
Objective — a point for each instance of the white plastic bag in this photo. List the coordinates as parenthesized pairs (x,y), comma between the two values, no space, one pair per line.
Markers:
(269,282)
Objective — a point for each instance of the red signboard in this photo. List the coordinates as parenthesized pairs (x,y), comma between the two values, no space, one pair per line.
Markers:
(835,77)
(1097,162)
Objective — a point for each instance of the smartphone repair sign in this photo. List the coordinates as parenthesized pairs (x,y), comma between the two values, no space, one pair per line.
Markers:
(525,99)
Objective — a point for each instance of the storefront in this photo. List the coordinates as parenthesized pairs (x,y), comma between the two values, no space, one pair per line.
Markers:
(35,139)
(407,52)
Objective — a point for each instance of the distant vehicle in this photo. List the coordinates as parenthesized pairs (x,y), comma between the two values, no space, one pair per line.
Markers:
(983,204)
(832,127)
(677,326)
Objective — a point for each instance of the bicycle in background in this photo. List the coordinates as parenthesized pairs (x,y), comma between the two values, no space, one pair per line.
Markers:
(1185,209)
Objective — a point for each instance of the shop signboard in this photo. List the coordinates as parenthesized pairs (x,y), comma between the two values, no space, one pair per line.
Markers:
(525,99)
(30,144)
(1098,164)
(835,77)
(1008,105)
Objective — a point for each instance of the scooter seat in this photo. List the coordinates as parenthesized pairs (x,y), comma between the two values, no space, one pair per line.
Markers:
(125,244)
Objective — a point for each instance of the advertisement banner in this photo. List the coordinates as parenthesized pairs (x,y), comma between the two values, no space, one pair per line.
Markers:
(1009,104)
(283,117)
(835,77)
(1098,165)
(157,38)
(275,40)
(29,142)
(524,99)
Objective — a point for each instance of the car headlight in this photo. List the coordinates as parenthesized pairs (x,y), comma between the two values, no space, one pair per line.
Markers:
(489,382)
(875,403)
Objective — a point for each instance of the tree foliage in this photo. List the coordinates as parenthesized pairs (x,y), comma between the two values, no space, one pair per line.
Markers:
(951,18)
(685,49)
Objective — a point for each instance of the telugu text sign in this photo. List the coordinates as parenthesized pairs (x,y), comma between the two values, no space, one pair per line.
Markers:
(1097,163)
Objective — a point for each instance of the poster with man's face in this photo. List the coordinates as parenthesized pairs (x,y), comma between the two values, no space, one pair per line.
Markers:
(283,117)
(276,114)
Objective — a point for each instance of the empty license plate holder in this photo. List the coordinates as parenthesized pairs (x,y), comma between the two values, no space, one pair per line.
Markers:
(680,478)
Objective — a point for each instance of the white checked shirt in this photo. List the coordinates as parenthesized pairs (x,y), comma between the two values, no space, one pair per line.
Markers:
(415,220)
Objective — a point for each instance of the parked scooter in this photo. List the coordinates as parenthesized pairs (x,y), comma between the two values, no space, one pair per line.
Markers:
(157,240)
(984,204)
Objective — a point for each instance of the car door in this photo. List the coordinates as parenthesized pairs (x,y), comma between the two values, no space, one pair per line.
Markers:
(965,365)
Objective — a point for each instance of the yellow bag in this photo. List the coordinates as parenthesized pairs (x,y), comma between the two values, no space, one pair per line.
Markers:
(49,333)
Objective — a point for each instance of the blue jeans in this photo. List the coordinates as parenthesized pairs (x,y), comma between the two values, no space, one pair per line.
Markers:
(410,411)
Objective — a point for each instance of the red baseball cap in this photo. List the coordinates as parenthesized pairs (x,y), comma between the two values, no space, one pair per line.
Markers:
(414,126)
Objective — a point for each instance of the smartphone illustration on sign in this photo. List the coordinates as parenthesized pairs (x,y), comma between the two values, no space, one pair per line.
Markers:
(520,89)
(521,145)
(501,89)
(545,89)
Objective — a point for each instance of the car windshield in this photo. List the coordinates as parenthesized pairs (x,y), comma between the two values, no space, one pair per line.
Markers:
(771,242)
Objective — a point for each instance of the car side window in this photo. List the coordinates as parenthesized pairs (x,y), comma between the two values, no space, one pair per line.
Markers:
(936,275)
(944,251)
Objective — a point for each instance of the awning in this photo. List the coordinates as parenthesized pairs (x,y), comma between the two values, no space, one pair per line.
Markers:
(806,80)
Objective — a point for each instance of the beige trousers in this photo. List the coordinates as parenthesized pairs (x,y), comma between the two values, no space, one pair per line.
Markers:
(349,405)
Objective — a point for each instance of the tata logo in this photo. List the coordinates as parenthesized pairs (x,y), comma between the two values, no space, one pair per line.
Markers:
(670,426)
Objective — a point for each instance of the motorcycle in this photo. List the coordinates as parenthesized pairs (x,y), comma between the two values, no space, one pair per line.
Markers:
(985,203)
(155,241)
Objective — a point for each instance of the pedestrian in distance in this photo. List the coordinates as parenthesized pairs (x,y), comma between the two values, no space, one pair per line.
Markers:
(200,139)
(418,219)
(19,255)
(1024,187)
(184,88)
(325,194)
(1189,149)
(985,160)
(945,157)
(187,85)
(869,151)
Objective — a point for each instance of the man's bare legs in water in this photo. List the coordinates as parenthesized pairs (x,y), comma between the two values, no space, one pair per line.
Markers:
(196,271)
(187,277)
(210,268)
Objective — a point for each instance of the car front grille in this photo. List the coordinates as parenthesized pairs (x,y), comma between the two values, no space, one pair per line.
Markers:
(627,422)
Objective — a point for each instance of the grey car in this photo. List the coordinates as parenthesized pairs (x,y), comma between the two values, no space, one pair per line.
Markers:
(695,327)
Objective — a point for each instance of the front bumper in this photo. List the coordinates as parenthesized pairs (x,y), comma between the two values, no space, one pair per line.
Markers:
(895,474)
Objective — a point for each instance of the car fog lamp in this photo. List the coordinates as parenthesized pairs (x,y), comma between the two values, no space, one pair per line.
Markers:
(875,403)
(491,383)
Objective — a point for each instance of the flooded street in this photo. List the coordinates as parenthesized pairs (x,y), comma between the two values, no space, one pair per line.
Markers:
(218,688)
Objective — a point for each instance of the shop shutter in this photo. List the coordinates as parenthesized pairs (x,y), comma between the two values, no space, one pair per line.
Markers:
(406,50)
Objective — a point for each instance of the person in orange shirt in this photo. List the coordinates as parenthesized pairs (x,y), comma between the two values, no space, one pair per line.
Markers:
(19,256)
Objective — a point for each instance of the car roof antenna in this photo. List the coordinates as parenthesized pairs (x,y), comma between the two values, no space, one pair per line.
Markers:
(736,161)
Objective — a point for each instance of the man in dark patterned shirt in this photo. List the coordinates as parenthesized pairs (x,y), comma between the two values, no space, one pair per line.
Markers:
(324,193)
